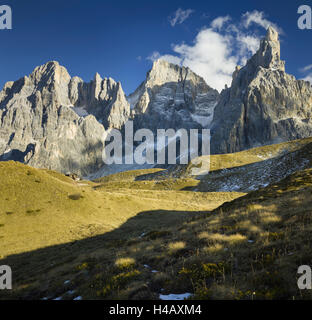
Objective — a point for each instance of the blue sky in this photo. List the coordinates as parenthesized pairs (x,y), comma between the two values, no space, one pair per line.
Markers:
(115,38)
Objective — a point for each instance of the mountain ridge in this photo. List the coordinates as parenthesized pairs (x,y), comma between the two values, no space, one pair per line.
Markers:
(52,120)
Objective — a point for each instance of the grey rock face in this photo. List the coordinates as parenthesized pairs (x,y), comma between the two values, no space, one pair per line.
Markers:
(104,98)
(47,120)
(172,97)
(51,120)
(264,105)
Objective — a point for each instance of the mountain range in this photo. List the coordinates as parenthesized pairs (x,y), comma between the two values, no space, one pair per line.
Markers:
(52,120)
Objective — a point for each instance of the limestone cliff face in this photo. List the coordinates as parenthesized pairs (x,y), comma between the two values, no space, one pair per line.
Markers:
(104,98)
(173,97)
(48,120)
(264,105)
(51,120)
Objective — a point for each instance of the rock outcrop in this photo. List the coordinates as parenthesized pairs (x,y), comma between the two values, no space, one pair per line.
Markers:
(174,97)
(103,98)
(48,120)
(264,105)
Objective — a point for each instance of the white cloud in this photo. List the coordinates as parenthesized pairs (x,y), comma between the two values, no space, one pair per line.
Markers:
(214,55)
(210,57)
(168,57)
(305,70)
(154,56)
(248,44)
(218,23)
(219,48)
(180,16)
(308,78)
(258,17)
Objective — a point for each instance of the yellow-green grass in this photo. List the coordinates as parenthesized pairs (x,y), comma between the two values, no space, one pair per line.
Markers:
(40,208)
(249,248)
(99,235)
(127,175)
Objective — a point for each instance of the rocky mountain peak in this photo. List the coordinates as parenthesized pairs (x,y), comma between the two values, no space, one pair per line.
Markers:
(50,72)
(264,105)
(50,120)
(272,34)
(269,54)
(97,77)
(164,72)
(175,96)
(267,57)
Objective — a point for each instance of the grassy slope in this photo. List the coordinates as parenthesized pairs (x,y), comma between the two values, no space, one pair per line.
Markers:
(249,248)
(232,160)
(39,208)
(244,171)
(246,249)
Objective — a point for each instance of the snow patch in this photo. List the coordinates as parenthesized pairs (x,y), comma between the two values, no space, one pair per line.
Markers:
(172,296)
(204,121)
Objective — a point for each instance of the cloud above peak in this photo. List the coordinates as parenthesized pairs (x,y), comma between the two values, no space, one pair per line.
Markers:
(307,70)
(168,57)
(218,48)
(218,23)
(258,18)
(180,16)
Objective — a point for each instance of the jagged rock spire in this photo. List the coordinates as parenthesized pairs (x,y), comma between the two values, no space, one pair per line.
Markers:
(269,53)
(264,105)
(268,56)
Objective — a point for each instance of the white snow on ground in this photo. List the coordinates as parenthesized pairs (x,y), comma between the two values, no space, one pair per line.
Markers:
(78,298)
(173,296)
(254,176)
(204,121)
